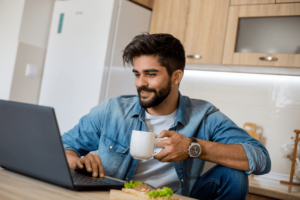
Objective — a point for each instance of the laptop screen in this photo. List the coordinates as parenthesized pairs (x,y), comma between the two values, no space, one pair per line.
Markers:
(30,143)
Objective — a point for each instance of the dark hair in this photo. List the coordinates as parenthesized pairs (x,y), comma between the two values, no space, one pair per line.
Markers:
(168,49)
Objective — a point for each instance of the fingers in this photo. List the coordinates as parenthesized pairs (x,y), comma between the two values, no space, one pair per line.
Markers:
(164,143)
(172,153)
(100,166)
(167,159)
(79,164)
(161,155)
(85,161)
(93,164)
(167,152)
(165,133)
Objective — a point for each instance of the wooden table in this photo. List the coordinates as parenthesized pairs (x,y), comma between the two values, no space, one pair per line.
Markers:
(15,186)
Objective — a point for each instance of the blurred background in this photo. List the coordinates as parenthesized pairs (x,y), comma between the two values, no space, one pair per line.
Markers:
(68,55)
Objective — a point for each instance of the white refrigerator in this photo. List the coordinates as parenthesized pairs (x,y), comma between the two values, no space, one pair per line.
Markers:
(83,64)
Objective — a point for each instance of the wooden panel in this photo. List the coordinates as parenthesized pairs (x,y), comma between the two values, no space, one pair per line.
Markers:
(287,1)
(205,31)
(146,3)
(169,16)
(257,197)
(247,2)
(233,58)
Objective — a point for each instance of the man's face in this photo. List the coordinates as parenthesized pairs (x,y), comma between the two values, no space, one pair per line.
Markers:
(151,80)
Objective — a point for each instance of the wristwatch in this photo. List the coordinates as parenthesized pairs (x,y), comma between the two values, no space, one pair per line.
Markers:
(194,149)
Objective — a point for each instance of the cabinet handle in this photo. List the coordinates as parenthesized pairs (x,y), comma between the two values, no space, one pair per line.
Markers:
(194,56)
(268,58)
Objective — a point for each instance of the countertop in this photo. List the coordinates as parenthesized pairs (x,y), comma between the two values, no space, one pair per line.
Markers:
(268,187)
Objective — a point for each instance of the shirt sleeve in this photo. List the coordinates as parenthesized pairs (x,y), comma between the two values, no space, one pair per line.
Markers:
(85,136)
(224,130)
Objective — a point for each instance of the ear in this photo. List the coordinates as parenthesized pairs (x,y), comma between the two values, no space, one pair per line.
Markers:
(177,76)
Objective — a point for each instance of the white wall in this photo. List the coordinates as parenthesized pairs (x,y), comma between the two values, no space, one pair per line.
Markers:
(10,23)
(270,101)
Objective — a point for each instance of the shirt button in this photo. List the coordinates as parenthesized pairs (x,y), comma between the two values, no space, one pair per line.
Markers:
(181,180)
(111,147)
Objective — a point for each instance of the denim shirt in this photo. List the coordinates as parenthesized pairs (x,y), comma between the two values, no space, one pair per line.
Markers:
(108,126)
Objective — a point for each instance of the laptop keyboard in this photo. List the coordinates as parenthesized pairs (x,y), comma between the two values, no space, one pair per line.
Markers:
(80,179)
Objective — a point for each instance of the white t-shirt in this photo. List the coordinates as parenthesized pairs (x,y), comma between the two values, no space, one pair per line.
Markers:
(152,171)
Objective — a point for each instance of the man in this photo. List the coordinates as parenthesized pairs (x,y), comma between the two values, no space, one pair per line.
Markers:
(158,63)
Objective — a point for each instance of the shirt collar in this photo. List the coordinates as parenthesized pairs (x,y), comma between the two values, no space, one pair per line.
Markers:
(139,111)
(181,113)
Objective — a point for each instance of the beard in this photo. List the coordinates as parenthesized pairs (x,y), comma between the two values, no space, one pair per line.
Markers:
(159,96)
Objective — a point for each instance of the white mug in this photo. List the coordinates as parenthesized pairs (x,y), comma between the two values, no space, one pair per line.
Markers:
(142,145)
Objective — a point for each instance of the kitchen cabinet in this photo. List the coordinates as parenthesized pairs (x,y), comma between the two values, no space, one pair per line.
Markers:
(145,3)
(247,2)
(169,16)
(287,1)
(199,24)
(205,31)
(266,55)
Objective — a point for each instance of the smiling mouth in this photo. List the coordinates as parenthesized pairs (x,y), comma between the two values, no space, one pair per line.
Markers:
(144,94)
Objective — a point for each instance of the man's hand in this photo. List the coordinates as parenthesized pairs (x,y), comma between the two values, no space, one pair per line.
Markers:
(175,147)
(91,163)
(228,155)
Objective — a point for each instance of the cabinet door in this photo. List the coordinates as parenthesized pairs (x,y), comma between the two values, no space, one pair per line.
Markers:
(287,1)
(247,2)
(145,3)
(282,59)
(205,31)
(169,16)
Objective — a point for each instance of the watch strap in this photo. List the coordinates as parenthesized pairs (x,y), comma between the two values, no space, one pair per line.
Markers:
(193,140)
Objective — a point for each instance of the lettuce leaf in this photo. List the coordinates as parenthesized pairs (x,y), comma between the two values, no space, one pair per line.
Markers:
(165,193)
(131,184)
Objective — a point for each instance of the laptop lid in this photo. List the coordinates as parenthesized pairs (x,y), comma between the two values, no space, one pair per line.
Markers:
(30,143)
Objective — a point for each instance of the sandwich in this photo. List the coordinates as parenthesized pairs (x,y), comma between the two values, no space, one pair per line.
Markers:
(143,190)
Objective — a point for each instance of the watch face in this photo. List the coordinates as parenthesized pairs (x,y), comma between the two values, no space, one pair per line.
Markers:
(195,150)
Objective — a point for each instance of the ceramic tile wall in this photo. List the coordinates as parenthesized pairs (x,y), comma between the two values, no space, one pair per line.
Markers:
(270,101)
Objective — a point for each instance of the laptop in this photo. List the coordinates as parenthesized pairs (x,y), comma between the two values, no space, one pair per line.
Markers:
(30,144)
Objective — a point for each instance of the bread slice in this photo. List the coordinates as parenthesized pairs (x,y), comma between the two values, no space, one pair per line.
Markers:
(144,194)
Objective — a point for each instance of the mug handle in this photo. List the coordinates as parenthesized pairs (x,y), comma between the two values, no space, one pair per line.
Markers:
(156,141)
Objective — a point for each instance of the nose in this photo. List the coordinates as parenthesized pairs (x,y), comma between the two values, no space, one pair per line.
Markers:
(141,81)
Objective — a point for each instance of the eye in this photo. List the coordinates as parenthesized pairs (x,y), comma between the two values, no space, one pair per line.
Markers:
(151,75)
(137,75)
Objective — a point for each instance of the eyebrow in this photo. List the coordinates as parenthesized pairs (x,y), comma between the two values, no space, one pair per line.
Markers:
(146,70)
